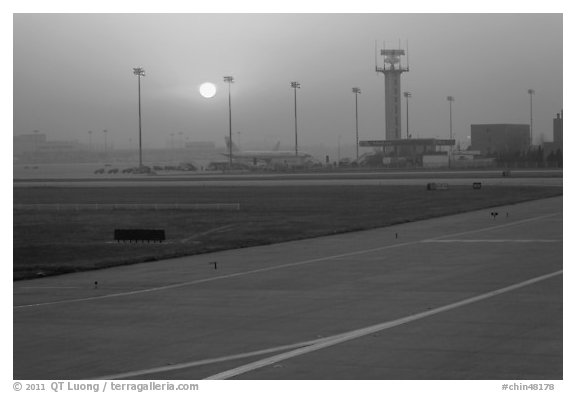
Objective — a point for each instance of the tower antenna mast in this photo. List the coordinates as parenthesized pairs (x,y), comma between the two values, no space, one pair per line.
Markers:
(407,57)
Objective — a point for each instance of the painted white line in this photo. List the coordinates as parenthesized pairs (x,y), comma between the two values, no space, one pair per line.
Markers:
(204,280)
(492,241)
(41,287)
(498,226)
(219,229)
(271,268)
(341,338)
(204,362)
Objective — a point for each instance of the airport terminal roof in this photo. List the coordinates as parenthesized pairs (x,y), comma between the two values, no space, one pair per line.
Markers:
(409,142)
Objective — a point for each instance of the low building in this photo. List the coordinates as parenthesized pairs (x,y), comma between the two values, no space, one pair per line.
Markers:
(493,139)
(28,143)
(435,160)
(201,147)
(411,152)
(59,146)
(552,151)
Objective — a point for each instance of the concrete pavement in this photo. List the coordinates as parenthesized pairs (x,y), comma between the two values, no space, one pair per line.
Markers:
(168,319)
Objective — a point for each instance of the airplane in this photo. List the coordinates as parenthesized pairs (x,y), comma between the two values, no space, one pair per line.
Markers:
(268,158)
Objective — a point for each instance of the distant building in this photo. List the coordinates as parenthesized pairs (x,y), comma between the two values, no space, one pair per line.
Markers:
(492,139)
(558,128)
(37,148)
(28,143)
(201,147)
(419,152)
(59,146)
(555,146)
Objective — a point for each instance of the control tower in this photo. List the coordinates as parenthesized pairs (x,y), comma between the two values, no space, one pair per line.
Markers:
(392,71)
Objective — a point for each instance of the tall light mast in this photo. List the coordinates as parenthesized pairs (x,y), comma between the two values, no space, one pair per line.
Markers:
(139,72)
(295,85)
(356,91)
(229,80)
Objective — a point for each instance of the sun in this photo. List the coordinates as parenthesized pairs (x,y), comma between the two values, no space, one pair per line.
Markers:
(207,90)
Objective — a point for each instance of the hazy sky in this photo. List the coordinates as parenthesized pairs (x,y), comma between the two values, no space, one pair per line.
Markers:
(73,73)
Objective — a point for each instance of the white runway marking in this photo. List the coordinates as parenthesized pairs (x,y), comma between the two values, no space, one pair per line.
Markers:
(497,226)
(272,268)
(492,241)
(219,229)
(41,287)
(204,362)
(338,339)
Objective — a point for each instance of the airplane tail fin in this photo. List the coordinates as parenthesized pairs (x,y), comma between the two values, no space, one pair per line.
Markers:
(234,147)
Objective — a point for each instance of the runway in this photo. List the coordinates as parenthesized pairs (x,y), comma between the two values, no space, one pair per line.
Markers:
(459,297)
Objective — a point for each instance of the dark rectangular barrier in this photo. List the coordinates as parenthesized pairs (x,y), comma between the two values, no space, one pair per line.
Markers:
(149,235)
(477,185)
(436,186)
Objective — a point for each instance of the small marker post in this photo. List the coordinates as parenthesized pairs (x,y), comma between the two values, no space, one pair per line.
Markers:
(215,265)
(95,284)
(396,235)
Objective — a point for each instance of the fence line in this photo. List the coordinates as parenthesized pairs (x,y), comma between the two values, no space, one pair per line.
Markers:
(125,206)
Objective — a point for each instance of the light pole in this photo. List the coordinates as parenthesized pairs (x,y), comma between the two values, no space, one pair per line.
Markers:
(295,85)
(450,101)
(407,94)
(139,71)
(339,137)
(356,91)
(105,141)
(531,92)
(230,80)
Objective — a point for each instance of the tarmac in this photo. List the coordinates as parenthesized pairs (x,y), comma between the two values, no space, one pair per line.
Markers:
(468,296)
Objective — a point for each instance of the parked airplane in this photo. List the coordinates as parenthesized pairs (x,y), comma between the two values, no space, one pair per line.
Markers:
(268,158)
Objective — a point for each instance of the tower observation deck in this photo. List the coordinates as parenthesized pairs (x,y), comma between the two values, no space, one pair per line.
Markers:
(392,70)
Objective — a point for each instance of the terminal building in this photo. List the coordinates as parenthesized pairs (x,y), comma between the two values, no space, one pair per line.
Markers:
(492,139)
(555,147)
(28,143)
